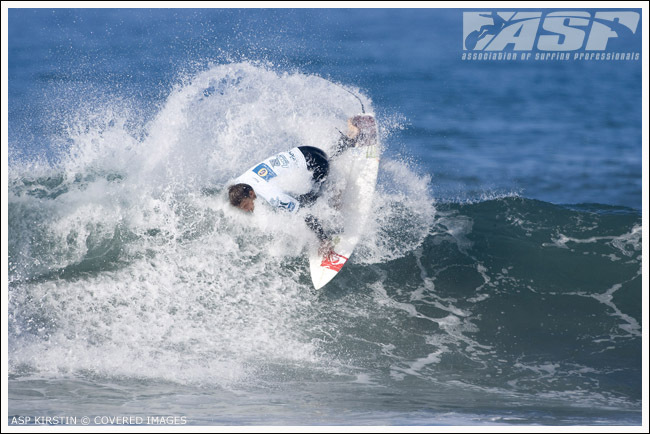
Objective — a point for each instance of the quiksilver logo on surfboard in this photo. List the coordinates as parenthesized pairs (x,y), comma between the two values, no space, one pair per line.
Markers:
(333,261)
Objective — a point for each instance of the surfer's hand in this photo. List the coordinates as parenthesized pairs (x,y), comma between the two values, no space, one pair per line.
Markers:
(353,131)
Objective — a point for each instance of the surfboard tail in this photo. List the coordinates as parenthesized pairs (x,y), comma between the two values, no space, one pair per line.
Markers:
(326,267)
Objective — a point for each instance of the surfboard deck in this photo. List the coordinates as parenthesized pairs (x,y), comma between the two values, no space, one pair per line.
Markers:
(361,165)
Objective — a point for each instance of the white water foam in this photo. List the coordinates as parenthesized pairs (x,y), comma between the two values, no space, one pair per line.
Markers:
(133,264)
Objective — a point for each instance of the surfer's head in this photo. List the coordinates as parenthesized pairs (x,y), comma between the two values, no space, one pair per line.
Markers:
(242,196)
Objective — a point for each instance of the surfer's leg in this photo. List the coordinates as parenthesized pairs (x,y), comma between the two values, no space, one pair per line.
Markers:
(344,143)
(316,227)
(317,162)
(319,166)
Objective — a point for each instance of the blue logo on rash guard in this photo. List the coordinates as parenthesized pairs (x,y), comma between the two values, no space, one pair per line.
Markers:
(281,160)
(290,206)
(264,172)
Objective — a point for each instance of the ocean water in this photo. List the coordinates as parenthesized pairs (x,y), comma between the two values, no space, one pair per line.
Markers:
(498,281)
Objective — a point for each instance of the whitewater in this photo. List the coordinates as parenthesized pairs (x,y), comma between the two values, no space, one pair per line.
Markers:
(135,289)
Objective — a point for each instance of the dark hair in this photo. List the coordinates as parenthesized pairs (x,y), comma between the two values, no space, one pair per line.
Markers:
(238,192)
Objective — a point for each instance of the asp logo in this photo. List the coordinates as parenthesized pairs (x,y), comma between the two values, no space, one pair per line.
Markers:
(546,31)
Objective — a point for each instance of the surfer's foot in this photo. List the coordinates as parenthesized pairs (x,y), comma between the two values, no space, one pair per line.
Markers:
(326,248)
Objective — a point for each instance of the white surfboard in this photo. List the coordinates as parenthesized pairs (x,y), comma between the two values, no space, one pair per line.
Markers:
(360,166)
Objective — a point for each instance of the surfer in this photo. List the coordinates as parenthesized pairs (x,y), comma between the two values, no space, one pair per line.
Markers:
(255,181)
(259,180)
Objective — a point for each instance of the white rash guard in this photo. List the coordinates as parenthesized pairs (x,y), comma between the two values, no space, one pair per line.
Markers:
(261,178)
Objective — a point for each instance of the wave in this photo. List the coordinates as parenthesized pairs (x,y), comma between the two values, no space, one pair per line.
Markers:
(125,260)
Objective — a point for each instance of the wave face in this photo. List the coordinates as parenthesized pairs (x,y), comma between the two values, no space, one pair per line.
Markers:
(126,264)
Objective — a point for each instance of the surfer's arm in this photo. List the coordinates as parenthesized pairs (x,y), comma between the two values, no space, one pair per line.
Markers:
(348,140)
(361,131)
(343,143)
(308,198)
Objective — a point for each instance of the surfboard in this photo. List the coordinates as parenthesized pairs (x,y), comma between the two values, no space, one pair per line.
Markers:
(360,167)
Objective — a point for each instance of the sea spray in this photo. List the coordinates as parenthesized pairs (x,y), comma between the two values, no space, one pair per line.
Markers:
(126,259)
